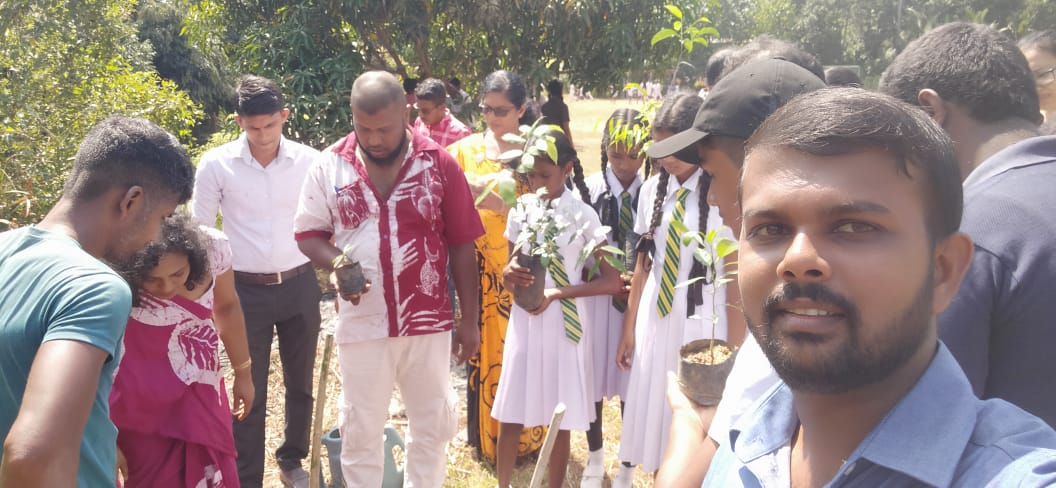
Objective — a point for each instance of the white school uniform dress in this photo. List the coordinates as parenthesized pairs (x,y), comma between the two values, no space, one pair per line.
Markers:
(647,416)
(540,366)
(609,380)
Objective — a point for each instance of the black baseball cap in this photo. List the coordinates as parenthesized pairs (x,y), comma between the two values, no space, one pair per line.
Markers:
(740,101)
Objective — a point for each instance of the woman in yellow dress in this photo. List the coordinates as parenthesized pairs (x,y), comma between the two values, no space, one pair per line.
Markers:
(504,103)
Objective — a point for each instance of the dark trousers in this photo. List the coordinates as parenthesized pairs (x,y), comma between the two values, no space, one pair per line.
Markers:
(290,309)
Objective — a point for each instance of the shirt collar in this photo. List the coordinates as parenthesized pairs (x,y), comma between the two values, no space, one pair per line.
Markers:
(247,156)
(1031,151)
(420,146)
(940,408)
(690,183)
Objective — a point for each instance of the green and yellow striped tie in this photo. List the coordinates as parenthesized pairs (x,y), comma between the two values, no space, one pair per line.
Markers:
(672,249)
(573,329)
(626,226)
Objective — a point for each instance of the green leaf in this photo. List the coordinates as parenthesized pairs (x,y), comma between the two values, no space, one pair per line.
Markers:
(677,25)
(689,282)
(484,193)
(613,250)
(677,12)
(724,247)
(661,35)
(703,256)
(513,138)
(616,264)
(511,154)
(551,151)
(507,190)
(722,281)
(680,228)
(688,45)
(693,236)
(527,163)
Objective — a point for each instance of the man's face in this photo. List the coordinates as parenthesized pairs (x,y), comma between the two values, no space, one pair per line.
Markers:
(835,266)
(382,135)
(139,227)
(431,113)
(263,130)
(1042,64)
(725,174)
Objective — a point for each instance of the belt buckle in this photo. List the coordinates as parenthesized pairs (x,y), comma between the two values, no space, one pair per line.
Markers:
(278,278)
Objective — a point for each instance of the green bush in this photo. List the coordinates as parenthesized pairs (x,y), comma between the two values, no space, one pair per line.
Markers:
(64,66)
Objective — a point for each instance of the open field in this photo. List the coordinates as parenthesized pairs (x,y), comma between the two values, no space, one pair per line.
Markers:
(463,468)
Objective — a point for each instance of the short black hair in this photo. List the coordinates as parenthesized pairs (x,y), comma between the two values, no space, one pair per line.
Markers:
(970,65)
(716,63)
(179,235)
(256,95)
(122,152)
(431,90)
(1044,40)
(555,87)
(768,47)
(455,82)
(842,76)
(836,121)
(410,84)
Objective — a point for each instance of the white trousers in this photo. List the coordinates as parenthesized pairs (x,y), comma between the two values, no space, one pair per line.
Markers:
(420,366)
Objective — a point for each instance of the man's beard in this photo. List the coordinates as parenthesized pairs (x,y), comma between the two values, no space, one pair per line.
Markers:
(853,363)
(388,159)
(125,266)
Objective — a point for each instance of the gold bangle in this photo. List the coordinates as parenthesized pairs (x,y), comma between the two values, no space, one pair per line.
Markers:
(244,365)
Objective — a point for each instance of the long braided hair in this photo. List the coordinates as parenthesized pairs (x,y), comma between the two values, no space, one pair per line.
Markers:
(623,121)
(676,115)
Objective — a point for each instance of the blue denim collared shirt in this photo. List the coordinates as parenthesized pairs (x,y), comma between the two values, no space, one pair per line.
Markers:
(939,434)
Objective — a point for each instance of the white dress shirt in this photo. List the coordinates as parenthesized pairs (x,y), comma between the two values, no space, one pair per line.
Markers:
(257,202)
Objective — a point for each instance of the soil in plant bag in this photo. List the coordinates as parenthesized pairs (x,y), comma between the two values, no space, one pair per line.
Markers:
(703,368)
(530,297)
(350,278)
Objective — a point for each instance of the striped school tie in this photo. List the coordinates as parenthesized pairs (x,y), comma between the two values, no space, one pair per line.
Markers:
(573,329)
(672,249)
(626,226)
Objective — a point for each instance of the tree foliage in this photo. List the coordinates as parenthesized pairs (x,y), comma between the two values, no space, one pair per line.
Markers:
(870,33)
(64,66)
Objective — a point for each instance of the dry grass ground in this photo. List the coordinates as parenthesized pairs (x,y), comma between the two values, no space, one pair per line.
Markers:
(463,467)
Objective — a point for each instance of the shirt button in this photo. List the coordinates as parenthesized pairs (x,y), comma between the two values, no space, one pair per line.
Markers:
(850,468)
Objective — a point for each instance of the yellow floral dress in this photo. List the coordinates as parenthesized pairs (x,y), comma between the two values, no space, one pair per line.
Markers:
(483,370)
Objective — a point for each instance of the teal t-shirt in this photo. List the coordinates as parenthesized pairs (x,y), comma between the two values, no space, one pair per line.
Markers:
(54,290)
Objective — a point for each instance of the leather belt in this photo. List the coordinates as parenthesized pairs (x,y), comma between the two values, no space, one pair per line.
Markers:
(271,278)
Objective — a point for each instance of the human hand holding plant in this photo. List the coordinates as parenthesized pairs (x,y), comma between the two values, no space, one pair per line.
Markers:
(348,278)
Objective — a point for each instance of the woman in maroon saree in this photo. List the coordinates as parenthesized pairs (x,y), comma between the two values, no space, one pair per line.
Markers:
(169,400)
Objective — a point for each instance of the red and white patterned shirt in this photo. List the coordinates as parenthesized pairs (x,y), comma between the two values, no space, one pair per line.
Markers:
(401,242)
(446,132)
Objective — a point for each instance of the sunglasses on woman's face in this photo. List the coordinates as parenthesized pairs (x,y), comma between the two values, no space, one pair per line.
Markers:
(499,112)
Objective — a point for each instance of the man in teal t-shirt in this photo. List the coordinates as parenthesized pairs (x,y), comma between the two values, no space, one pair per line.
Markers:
(63,311)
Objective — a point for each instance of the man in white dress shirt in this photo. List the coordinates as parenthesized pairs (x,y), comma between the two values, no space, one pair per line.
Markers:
(255,182)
